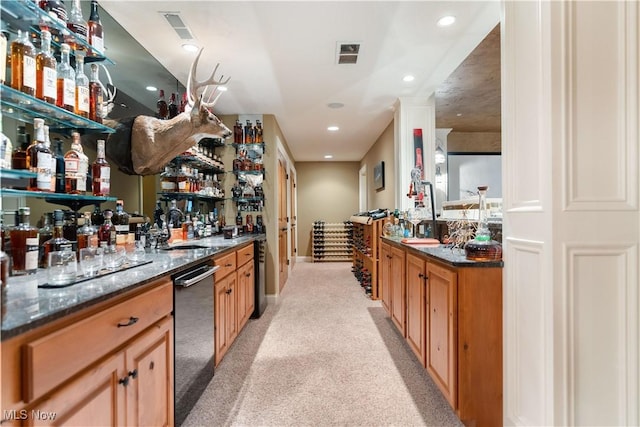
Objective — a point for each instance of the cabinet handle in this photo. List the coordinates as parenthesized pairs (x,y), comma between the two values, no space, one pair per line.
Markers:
(133,374)
(228,265)
(423,276)
(229,291)
(124,381)
(247,274)
(132,320)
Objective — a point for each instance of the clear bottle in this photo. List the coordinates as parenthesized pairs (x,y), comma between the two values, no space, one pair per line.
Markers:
(23,64)
(82,100)
(46,65)
(120,220)
(39,159)
(3,57)
(101,172)
(77,26)
(162,107)
(24,251)
(58,155)
(482,247)
(44,234)
(85,233)
(76,164)
(54,163)
(57,242)
(66,81)
(172,108)
(95,95)
(95,30)
(20,156)
(107,232)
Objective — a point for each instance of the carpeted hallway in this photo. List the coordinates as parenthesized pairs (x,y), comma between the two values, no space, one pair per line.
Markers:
(324,355)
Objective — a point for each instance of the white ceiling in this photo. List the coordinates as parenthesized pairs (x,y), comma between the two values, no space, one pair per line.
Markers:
(281,57)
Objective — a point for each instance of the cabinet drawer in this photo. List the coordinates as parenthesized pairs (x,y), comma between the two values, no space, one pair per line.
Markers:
(245,254)
(58,356)
(227,265)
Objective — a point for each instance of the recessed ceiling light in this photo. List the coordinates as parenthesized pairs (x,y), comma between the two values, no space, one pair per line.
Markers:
(328,156)
(459,114)
(408,78)
(335,105)
(445,21)
(333,128)
(189,47)
(151,88)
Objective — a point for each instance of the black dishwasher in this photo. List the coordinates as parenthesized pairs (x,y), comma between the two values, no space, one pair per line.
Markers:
(259,258)
(193,336)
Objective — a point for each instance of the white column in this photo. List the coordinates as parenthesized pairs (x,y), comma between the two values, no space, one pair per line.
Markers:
(441,179)
(410,114)
(570,129)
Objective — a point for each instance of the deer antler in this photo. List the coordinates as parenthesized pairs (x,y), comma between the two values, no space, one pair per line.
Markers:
(193,84)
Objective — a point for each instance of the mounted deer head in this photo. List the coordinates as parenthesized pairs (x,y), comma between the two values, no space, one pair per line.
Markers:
(143,145)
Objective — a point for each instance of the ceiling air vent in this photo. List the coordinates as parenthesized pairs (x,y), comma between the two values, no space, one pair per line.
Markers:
(178,25)
(348,53)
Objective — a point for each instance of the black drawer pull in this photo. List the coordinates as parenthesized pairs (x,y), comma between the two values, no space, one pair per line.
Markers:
(133,374)
(124,381)
(132,321)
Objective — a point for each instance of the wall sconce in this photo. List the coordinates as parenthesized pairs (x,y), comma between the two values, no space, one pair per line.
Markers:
(440,157)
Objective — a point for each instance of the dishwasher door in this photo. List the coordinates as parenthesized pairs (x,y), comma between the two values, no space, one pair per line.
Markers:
(193,348)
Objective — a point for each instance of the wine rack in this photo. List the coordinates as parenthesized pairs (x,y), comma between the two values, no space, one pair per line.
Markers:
(366,252)
(332,241)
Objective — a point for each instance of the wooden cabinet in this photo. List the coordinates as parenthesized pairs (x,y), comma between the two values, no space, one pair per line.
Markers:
(385,277)
(451,317)
(416,306)
(366,252)
(441,321)
(109,365)
(398,288)
(234,292)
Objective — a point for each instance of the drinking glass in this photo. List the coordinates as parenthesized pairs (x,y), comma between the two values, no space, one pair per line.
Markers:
(90,261)
(62,267)
(114,257)
(415,216)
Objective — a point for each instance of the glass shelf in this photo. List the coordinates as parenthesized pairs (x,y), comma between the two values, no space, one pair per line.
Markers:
(16,174)
(257,145)
(247,199)
(25,108)
(249,172)
(26,15)
(73,201)
(189,196)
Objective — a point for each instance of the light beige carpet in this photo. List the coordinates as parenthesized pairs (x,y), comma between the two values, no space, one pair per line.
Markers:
(325,355)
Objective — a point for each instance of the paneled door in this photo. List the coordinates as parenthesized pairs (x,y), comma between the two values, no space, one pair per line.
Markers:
(292,215)
(283,260)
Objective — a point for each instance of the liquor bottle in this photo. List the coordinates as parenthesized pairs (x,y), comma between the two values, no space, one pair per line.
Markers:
(101,172)
(183,102)
(187,228)
(162,107)
(77,27)
(182,180)
(45,233)
(237,132)
(66,81)
(3,57)
(70,227)
(258,132)
(95,30)
(82,100)
(57,241)
(120,220)
(107,232)
(54,163)
(175,214)
(172,107)
(20,156)
(249,223)
(23,64)
(168,180)
(58,155)
(86,233)
(97,217)
(55,9)
(46,65)
(239,219)
(39,159)
(24,251)
(248,133)
(95,95)
(76,165)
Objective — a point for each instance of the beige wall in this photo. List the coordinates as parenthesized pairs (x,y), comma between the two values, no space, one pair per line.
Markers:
(382,150)
(326,191)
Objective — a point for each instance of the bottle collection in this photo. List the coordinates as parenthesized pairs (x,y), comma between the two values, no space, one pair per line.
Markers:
(332,241)
(58,172)
(185,179)
(248,134)
(36,71)
(167,111)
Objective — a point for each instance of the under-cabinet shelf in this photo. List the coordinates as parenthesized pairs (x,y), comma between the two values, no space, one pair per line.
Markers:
(73,201)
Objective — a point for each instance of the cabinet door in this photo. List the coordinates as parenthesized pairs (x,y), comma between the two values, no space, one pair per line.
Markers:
(385,278)
(232,308)
(416,305)
(250,282)
(398,288)
(241,298)
(96,397)
(149,364)
(220,302)
(442,329)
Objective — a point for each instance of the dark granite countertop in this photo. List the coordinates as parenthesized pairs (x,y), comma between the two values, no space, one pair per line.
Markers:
(444,254)
(26,305)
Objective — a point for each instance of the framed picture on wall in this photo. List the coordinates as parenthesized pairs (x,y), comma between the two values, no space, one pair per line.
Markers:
(378,176)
